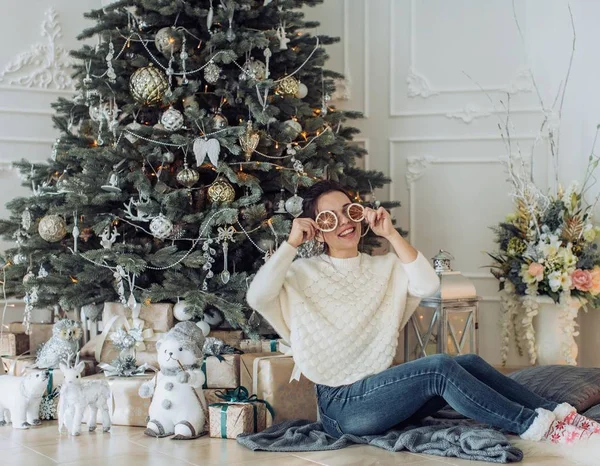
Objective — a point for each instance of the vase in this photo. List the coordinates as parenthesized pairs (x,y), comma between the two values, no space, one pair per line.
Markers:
(554,327)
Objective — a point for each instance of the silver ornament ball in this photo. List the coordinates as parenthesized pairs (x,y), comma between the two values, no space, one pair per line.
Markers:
(168,157)
(172,119)
(52,228)
(161,227)
(212,73)
(187,177)
(294,205)
(219,121)
(168,41)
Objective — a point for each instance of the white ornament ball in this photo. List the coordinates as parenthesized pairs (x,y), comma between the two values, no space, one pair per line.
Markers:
(180,311)
(302,91)
(204,327)
(172,119)
(52,228)
(168,157)
(161,227)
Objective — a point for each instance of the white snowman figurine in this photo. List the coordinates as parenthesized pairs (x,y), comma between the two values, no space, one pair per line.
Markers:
(177,408)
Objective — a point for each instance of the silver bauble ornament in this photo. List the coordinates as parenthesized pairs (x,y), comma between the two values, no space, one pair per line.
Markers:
(294,205)
(187,177)
(148,85)
(52,228)
(212,72)
(168,41)
(180,311)
(161,226)
(172,119)
(168,157)
(28,276)
(302,91)
(254,69)
(219,121)
(293,128)
(19,258)
(221,191)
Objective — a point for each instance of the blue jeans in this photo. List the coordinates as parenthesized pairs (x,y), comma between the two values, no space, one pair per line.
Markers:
(417,389)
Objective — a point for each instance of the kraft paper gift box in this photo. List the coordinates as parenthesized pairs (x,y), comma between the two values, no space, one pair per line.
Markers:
(154,319)
(222,372)
(13,344)
(268,375)
(228,420)
(260,346)
(39,334)
(229,337)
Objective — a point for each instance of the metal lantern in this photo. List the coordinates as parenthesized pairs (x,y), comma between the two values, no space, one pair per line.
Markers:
(446,322)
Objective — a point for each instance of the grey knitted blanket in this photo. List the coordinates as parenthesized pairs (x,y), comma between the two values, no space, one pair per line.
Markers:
(458,439)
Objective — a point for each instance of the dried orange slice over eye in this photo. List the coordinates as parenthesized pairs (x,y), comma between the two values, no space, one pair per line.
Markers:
(356,212)
(326,221)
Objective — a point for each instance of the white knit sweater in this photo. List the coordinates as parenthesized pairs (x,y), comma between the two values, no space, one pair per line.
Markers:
(342,317)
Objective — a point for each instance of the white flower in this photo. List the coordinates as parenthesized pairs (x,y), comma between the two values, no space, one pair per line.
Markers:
(555,280)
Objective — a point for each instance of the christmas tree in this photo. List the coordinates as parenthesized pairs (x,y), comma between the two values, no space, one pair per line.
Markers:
(182,158)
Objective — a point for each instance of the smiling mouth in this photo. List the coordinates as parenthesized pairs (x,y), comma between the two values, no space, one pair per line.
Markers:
(347,232)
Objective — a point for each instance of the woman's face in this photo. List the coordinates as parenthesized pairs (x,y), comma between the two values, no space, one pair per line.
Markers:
(343,241)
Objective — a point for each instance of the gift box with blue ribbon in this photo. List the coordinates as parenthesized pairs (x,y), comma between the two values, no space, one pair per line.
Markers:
(237,413)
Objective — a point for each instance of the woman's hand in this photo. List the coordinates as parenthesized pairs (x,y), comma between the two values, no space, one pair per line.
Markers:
(380,222)
(303,229)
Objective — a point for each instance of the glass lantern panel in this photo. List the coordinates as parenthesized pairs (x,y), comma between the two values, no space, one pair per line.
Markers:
(461,331)
(421,333)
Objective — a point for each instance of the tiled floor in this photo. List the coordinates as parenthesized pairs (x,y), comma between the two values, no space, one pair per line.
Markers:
(128,446)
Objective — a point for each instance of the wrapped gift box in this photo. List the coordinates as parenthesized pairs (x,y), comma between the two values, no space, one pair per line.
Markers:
(13,344)
(157,320)
(229,337)
(228,420)
(261,346)
(268,376)
(223,372)
(128,407)
(39,334)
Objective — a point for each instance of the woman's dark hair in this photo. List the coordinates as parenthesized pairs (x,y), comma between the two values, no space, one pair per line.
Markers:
(312,195)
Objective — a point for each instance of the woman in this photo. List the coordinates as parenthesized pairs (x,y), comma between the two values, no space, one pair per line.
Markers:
(342,313)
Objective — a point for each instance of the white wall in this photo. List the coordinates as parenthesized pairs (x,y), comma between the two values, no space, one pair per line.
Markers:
(435,132)
(428,125)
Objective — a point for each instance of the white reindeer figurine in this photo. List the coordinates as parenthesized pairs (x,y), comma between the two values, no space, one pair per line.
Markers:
(76,395)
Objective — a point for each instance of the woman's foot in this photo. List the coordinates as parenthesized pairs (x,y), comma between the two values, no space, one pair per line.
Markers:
(582,422)
(568,414)
(548,428)
(565,434)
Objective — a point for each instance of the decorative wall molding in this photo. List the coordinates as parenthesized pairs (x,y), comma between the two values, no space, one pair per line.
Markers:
(418,85)
(27,111)
(45,65)
(344,86)
(22,140)
(469,113)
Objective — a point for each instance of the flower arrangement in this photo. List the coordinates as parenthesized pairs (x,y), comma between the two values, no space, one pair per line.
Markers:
(547,247)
